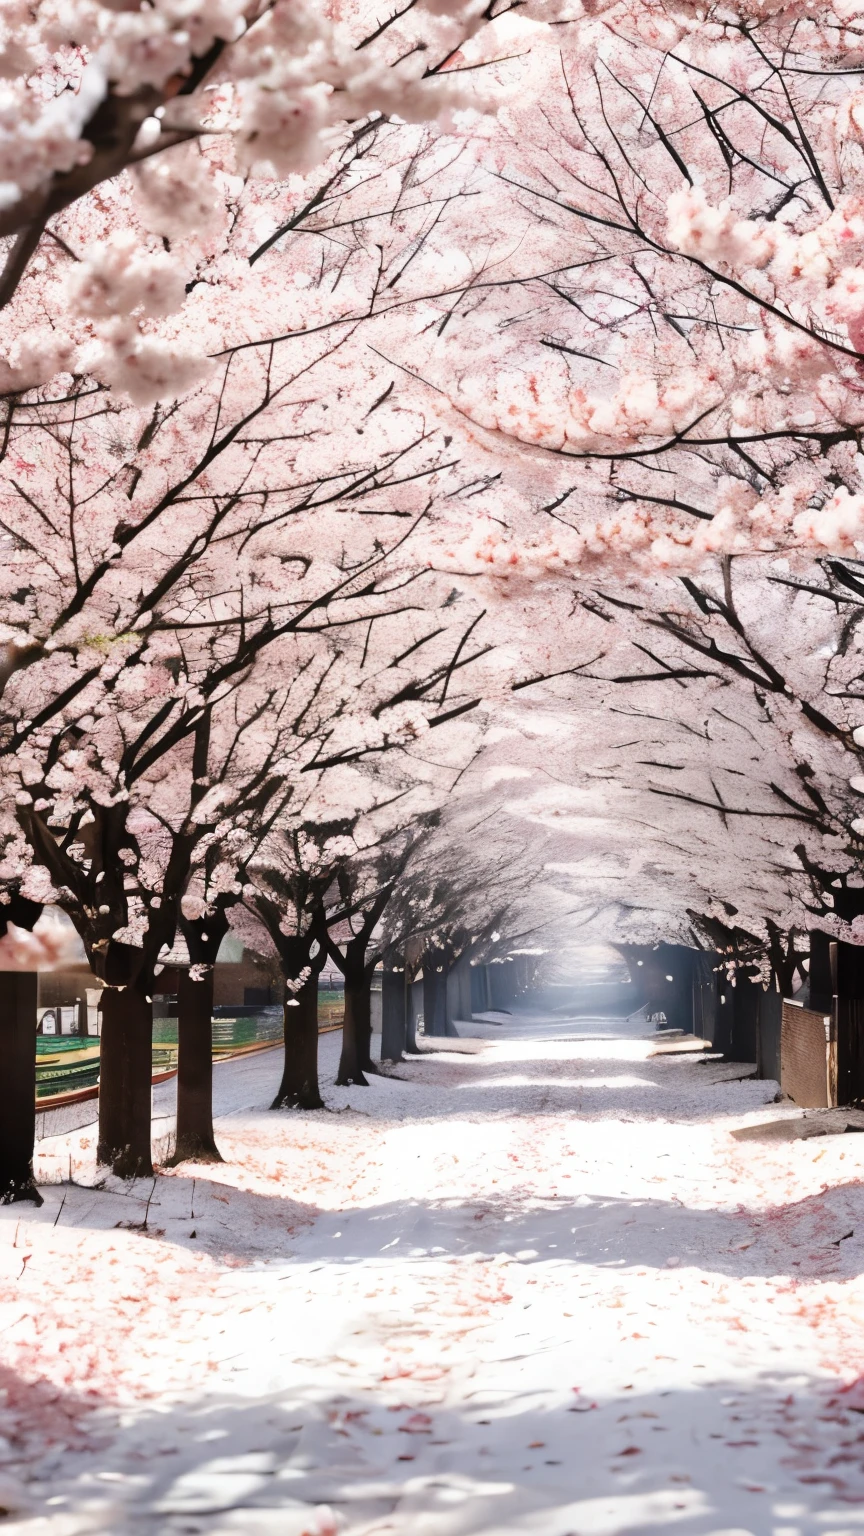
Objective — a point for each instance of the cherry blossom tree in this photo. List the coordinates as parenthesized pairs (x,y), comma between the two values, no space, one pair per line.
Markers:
(340,410)
(139,638)
(659,794)
(673,305)
(365,885)
(790,643)
(664,287)
(92,91)
(322,873)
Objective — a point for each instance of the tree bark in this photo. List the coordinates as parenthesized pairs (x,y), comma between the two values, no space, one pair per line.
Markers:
(411,1016)
(362,1003)
(356,1031)
(195,1140)
(484,994)
(434,983)
(125,1082)
(457,992)
(350,1068)
(299,1086)
(393,1015)
(18,1086)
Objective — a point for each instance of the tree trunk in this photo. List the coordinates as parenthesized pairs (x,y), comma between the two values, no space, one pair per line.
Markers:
(458,993)
(433,996)
(393,1015)
(481,999)
(299,1086)
(356,1033)
(125,1082)
(363,1010)
(502,986)
(18,1096)
(450,991)
(195,1141)
(413,989)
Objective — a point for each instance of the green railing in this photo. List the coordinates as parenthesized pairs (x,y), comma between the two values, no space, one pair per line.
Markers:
(77,1067)
(65,1063)
(229,1034)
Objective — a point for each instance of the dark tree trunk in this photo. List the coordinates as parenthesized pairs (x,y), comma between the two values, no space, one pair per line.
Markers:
(100,907)
(481,1001)
(746,998)
(125,1081)
(822,984)
(785,962)
(502,986)
(195,1140)
(299,1086)
(706,993)
(434,982)
(450,995)
(768,1040)
(356,1058)
(412,991)
(393,1015)
(18,1094)
(356,1033)
(362,1003)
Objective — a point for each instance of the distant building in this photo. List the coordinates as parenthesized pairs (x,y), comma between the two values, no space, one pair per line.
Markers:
(68,999)
(244,978)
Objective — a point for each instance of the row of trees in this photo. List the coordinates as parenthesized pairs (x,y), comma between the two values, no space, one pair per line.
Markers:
(189,718)
(221,606)
(311,624)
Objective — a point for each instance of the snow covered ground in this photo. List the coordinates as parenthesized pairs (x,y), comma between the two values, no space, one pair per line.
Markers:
(537,1288)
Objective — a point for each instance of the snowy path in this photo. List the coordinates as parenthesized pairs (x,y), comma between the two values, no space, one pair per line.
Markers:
(536,1289)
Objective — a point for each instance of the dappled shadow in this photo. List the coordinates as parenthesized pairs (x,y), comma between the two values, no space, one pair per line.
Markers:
(36,1416)
(188,1208)
(554,1461)
(592,1085)
(587,1079)
(822,1235)
(486,1405)
(816,1237)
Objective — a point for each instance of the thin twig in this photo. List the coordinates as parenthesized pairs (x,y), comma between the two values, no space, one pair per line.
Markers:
(147,1207)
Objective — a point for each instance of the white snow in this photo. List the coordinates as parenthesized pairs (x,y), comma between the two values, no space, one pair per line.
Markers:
(537,1288)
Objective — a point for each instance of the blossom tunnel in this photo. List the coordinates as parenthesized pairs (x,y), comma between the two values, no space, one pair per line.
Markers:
(432,518)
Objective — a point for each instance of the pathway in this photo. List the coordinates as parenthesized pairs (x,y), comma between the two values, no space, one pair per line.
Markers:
(537,1289)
